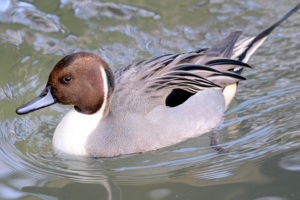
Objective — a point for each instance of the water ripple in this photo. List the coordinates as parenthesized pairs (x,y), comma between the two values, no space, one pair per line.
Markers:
(93,9)
(28,15)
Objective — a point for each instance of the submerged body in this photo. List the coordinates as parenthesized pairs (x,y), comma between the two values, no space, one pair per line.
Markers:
(148,105)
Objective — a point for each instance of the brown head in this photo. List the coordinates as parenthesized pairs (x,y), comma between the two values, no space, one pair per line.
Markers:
(80,79)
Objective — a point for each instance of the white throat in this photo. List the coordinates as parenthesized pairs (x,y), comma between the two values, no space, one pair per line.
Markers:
(74,129)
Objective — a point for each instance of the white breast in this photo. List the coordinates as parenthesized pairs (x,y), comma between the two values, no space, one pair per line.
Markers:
(73,132)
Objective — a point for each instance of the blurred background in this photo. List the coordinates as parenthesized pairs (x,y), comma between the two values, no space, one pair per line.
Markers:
(260,131)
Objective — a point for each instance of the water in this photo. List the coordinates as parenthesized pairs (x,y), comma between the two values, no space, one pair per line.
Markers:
(260,132)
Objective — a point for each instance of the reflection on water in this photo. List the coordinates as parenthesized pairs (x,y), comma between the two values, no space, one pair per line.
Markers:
(260,132)
(291,162)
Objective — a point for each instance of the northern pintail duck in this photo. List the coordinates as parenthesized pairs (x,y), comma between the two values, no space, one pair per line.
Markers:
(147,105)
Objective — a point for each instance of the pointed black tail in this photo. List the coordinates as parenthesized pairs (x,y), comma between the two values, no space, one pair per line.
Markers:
(247,47)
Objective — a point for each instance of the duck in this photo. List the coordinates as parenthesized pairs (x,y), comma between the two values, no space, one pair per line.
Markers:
(147,105)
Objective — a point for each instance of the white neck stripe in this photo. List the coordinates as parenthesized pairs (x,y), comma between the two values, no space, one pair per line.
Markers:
(105,91)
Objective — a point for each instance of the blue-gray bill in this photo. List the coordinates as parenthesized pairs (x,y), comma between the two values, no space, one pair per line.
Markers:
(43,100)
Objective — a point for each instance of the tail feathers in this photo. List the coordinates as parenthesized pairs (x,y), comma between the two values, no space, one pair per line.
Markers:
(224,48)
(245,48)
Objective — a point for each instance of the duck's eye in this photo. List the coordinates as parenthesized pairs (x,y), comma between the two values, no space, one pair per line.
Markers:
(67,79)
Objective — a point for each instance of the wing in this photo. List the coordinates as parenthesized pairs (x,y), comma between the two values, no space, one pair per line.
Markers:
(194,77)
(172,78)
